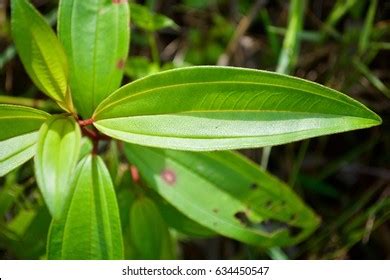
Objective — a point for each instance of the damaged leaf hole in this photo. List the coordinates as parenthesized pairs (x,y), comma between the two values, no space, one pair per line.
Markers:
(243,218)
(269,226)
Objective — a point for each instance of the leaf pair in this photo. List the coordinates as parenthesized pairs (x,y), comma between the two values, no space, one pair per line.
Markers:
(91,27)
(87,30)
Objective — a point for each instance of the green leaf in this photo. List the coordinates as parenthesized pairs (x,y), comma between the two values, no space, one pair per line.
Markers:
(96,37)
(180,222)
(19,126)
(219,108)
(143,18)
(56,159)
(148,230)
(86,147)
(91,228)
(226,193)
(41,53)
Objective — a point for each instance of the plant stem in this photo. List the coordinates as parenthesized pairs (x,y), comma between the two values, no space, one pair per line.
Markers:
(153,47)
(298,162)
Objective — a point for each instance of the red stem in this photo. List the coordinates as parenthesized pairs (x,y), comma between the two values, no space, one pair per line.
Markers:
(86,122)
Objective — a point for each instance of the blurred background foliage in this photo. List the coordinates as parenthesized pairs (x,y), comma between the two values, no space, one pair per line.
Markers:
(345,178)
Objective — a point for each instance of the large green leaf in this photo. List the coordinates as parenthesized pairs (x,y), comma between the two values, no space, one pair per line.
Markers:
(91,227)
(216,108)
(149,232)
(95,34)
(41,53)
(56,159)
(227,193)
(19,126)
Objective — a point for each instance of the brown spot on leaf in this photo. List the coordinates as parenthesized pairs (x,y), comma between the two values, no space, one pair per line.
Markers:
(243,218)
(215,210)
(168,176)
(120,64)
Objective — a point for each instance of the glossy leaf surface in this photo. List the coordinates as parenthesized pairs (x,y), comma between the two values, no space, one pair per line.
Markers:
(225,192)
(95,34)
(91,228)
(149,232)
(58,150)
(219,108)
(41,53)
(19,134)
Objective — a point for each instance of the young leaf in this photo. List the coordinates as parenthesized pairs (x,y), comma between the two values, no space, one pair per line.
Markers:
(86,147)
(246,204)
(143,18)
(19,126)
(42,55)
(90,229)
(55,161)
(95,35)
(217,108)
(148,229)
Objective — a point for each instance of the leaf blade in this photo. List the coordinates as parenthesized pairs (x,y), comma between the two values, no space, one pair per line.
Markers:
(216,108)
(95,35)
(91,228)
(19,126)
(236,209)
(56,158)
(148,230)
(41,53)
